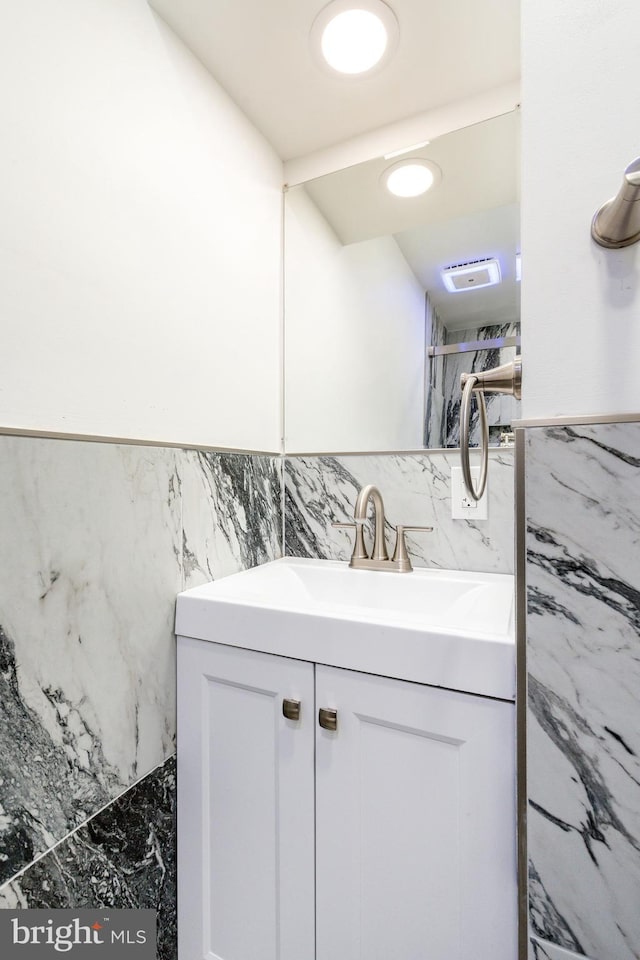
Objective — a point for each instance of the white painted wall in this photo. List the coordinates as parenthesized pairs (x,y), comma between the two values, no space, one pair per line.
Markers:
(351,311)
(139,235)
(580,302)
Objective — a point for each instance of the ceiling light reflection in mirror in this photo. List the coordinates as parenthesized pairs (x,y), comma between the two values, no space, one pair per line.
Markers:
(410,178)
(360,265)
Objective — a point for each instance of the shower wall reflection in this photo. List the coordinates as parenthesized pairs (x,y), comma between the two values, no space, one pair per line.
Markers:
(442,420)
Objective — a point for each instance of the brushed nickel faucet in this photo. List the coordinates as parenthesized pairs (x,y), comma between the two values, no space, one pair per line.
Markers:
(379,558)
(360,516)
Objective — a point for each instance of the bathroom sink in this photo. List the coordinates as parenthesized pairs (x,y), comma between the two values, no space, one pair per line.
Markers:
(443,598)
(443,627)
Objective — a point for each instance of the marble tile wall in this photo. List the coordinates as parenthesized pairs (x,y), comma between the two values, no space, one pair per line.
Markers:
(583,649)
(97,539)
(436,336)
(124,857)
(541,950)
(416,490)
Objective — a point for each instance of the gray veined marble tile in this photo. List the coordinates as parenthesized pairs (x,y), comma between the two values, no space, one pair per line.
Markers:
(434,433)
(97,540)
(90,562)
(124,857)
(541,950)
(231,513)
(43,792)
(583,626)
(544,917)
(416,490)
(436,336)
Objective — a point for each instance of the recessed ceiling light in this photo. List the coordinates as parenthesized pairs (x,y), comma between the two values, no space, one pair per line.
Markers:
(410,178)
(472,275)
(352,37)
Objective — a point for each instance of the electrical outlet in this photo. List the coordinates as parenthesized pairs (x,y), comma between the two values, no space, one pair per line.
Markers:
(463,506)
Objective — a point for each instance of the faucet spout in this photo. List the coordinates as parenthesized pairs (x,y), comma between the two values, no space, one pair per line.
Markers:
(371,492)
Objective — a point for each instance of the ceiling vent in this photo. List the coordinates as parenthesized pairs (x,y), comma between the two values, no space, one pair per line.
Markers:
(471,275)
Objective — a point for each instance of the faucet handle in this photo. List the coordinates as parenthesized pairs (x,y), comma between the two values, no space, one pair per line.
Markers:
(400,555)
(359,549)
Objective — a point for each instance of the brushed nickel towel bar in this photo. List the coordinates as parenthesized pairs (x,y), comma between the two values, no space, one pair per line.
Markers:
(505,379)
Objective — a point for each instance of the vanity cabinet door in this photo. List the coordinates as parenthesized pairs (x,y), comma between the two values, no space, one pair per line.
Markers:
(415,823)
(245,805)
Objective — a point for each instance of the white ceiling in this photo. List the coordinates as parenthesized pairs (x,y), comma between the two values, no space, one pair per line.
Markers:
(259,51)
(489,233)
(473,213)
(479,166)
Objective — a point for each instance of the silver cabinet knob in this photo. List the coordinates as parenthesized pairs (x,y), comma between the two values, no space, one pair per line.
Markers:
(328,719)
(291,709)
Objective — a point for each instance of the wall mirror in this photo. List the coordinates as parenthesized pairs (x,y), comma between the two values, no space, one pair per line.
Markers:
(378,322)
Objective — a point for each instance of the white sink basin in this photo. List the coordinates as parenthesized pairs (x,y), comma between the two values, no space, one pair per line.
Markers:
(442,627)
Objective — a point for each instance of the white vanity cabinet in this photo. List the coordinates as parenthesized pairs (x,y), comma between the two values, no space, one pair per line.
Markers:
(390,838)
(415,822)
(245,805)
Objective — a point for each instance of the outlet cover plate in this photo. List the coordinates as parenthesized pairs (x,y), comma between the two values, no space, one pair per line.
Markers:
(464,507)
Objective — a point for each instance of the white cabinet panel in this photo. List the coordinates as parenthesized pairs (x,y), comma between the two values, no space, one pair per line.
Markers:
(406,847)
(245,805)
(415,830)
